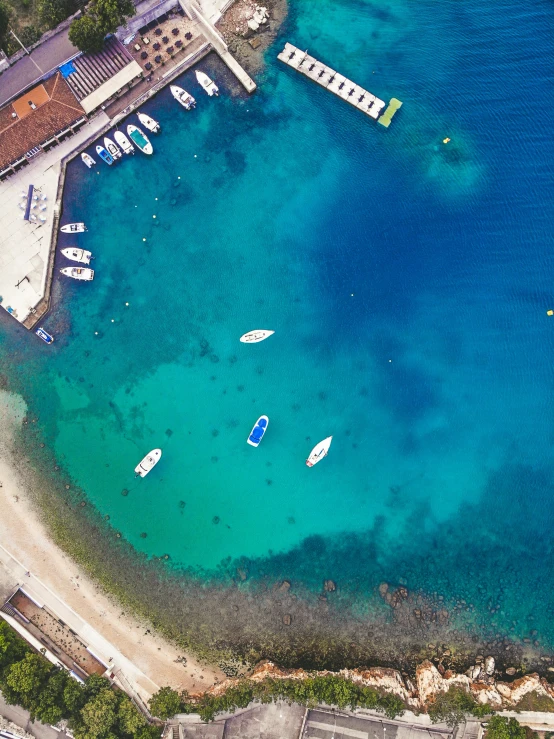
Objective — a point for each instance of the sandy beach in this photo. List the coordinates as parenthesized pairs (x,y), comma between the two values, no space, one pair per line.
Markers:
(24,536)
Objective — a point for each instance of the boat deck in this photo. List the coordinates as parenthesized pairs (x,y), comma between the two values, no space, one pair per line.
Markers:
(338,84)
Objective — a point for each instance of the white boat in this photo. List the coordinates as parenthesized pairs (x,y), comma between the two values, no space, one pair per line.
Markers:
(148,462)
(258,431)
(77,255)
(140,139)
(73,228)
(78,273)
(253,337)
(183,97)
(209,85)
(87,159)
(319,451)
(124,142)
(112,148)
(148,122)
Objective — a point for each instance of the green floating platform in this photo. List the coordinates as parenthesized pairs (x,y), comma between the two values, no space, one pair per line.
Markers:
(386,118)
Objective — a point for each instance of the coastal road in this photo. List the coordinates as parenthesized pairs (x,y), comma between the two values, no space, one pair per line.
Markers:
(21,718)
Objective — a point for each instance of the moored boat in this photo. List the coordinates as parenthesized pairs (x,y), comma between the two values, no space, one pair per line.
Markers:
(77,255)
(148,462)
(78,273)
(140,139)
(209,85)
(73,228)
(103,154)
(149,123)
(258,431)
(319,451)
(45,336)
(124,142)
(87,159)
(183,97)
(253,337)
(113,149)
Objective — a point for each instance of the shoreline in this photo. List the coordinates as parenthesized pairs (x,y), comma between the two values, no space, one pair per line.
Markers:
(24,535)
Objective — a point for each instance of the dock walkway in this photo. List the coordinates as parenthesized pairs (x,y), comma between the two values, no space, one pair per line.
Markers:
(338,84)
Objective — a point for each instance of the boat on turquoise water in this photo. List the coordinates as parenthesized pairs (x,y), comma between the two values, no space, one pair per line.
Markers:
(319,451)
(209,85)
(148,462)
(140,139)
(103,154)
(149,123)
(78,273)
(258,431)
(88,160)
(183,97)
(73,228)
(113,149)
(77,255)
(255,336)
(45,336)
(124,142)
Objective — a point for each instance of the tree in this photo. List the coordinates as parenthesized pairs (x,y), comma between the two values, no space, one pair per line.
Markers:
(27,676)
(165,703)
(49,706)
(451,707)
(74,697)
(129,719)
(86,35)
(4,22)
(12,647)
(99,716)
(501,727)
(53,12)
(110,14)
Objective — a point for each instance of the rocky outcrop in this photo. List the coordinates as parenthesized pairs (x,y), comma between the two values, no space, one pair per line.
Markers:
(429,683)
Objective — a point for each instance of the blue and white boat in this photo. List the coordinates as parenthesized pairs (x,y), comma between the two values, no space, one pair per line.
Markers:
(257,433)
(44,335)
(103,154)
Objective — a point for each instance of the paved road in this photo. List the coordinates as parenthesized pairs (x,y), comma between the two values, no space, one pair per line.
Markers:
(31,67)
(20,718)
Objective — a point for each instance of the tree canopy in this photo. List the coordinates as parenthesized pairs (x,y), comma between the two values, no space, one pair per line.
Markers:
(101,18)
(4,22)
(165,703)
(52,12)
(86,35)
(501,727)
(453,706)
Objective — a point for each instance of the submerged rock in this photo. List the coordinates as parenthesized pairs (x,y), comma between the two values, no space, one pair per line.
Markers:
(489,665)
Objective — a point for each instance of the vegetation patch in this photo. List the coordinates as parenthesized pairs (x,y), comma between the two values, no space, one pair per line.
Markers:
(455,705)
(535,702)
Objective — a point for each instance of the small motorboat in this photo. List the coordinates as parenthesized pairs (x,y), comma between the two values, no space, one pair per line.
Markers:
(88,160)
(103,154)
(124,142)
(140,139)
(258,431)
(113,149)
(183,97)
(78,273)
(73,228)
(77,255)
(253,337)
(149,123)
(148,462)
(44,335)
(209,85)
(319,451)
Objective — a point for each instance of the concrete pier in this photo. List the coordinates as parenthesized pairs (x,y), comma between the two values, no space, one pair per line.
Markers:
(338,84)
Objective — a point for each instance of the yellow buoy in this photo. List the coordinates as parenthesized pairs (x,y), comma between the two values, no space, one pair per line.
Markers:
(445,141)
(550,312)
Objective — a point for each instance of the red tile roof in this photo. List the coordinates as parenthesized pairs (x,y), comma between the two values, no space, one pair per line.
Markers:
(18,136)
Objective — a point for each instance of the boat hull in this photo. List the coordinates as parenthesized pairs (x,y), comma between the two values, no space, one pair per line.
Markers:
(124,142)
(78,273)
(73,228)
(113,150)
(319,451)
(207,84)
(148,122)
(140,139)
(103,154)
(255,336)
(258,431)
(148,463)
(183,97)
(77,255)
(45,336)
(88,160)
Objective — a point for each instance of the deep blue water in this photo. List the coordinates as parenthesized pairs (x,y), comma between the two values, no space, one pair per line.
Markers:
(407,281)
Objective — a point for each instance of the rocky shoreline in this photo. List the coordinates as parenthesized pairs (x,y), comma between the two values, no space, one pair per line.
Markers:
(482,681)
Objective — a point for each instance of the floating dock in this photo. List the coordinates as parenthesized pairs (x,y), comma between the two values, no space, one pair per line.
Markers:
(340,85)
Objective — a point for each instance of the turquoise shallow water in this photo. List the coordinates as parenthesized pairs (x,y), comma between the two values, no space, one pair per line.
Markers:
(407,282)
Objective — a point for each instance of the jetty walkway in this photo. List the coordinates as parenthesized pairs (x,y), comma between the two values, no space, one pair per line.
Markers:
(338,84)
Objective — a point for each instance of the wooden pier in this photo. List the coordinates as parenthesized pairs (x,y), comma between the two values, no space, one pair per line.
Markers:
(340,85)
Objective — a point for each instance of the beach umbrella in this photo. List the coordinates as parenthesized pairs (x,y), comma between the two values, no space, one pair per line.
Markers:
(165,39)
(175,31)
(158,59)
(43,207)
(169,49)
(43,197)
(158,31)
(188,35)
(144,55)
(178,43)
(148,66)
(157,46)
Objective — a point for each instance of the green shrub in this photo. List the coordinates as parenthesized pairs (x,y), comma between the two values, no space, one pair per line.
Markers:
(165,703)
(452,707)
(29,35)
(500,727)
